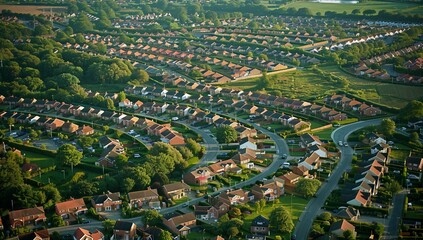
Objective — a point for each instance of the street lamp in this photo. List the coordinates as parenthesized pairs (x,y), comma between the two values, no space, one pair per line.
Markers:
(10,127)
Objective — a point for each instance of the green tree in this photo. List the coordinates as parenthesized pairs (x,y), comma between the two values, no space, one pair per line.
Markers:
(307,187)
(264,81)
(369,12)
(348,235)
(140,76)
(152,217)
(232,232)
(387,127)
(110,104)
(108,226)
(356,11)
(127,185)
(121,96)
(393,187)
(280,220)
(67,154)
(414,138)
(165,235)
(412,111)
(84,188)
(226,134)
(57,220)
(86,141)
(121,160)
(194,146)
(186,153)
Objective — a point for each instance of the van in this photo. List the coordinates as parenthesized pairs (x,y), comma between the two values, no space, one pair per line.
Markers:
(286,165)
(175,119)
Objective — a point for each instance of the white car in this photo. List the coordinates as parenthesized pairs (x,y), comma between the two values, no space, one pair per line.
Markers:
(345,144)
(340,143)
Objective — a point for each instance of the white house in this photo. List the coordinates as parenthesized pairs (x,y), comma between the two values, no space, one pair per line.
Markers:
(311,162)
(247,142)
(319,150)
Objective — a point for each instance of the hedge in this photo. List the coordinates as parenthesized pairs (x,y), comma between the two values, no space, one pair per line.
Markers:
(30,148)
(85,166)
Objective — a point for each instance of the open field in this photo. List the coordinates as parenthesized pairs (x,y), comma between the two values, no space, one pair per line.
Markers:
(41,160)
(36,10)
(309,86)
(394,6)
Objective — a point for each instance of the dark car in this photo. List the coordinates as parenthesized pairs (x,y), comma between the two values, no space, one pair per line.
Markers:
(293,237)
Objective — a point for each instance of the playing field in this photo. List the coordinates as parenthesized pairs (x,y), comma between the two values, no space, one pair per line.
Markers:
(36,10)
(394,6)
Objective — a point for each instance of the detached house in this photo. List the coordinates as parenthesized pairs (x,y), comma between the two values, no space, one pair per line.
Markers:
(269,190)
(148,197)
(206,212)
(414,163)
(70,209)
(247,142)
(260,225)
(84,234)
(181,224)
(311,162)
(28,216)
(107,202)
(124,231)
(176,190)
(37,235)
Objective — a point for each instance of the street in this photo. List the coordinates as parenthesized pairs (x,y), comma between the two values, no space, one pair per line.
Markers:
(313,207)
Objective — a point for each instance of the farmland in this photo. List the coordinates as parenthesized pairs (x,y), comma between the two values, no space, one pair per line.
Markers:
(394,6)
(36,10)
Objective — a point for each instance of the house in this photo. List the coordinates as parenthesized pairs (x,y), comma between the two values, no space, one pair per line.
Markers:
(311,162)
(53,124)
(319,150)
(206,212)
(247,142)
(414,163)
(373,139)
(222,167)
(71,209)
(84,234)
(69,127)
(290,179)
(148,197)
(349,213)
(360,198)
(85,130)
(200,176)
(308,140)
(338,228)
(107,202)
(260,225)
(176,190)
(268,190)
(29,216)
(124,230)
(180,224)
(300,170)
(234,197)
(37,235)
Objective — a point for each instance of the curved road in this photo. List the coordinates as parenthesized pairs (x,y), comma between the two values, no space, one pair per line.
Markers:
(281,148)
(340,134)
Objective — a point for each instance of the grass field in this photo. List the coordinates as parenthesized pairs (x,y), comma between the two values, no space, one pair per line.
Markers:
(394,6)
(36,10)
(41,160)
(105,87)
(307,85)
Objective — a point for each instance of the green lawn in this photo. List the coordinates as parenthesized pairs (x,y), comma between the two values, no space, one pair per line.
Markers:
(324,134)
(400,155)
(105,87)
(57,176)
(394,6)
(297,207)
(41,160)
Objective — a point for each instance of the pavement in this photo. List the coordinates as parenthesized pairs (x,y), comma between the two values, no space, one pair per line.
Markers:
(315,204)
(394,218)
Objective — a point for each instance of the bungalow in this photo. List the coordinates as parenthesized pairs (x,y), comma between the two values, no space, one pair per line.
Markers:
(180,224)
(107,202)
(37,235)
(247,142)
(200,176)
(338,228)
(71,209)
(311,162)
(84,234)
(260,225)
(29,216)
(206,212)
(69,127)
(360,198)
(124,230)
(176,190)
(148,197)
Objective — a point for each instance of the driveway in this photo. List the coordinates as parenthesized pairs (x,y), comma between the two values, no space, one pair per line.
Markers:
(315,204)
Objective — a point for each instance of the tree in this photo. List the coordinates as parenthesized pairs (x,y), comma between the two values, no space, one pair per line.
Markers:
(151,217)
(387,127)
(108,226)
(280,220)
(414,138)
(57,220)
(348,235)
(86,141)
(121,96)
(110,104)
(194,146)
(233,231)
(68,154)
(140,76)
(121,160)
(369,12)
(226,134)
(264,81)
(393,187)
(307,187)
(186,153)
(356,11)
(412,111)
(264,57)
(165,235)
(84,188)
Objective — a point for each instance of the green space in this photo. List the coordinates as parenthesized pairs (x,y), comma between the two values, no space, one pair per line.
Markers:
(390,6)
(293,204)
(325,134)
(400,155)
(116,87)
(43,161)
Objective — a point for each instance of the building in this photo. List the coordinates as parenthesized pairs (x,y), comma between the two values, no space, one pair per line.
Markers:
(37,235)
(180,224)
(107,202)
(414,163)
(176,190)
(26,217)
(260,225)
(148,197)
(338,228)
(84,234)
(124,231)
(206,212)
(71,209)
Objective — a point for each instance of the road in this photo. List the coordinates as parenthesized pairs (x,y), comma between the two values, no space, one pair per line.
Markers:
(395,216)
(312,209)
(281,147)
